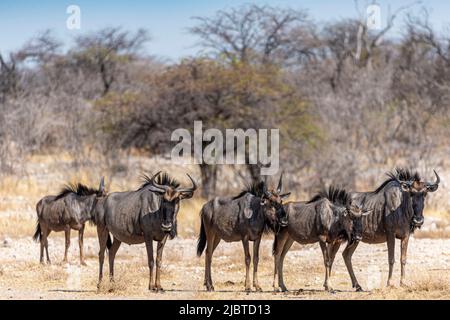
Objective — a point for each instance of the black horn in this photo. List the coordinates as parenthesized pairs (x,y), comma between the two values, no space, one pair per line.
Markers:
(280,183)
(431,187)
(101,188)
(189,190)
(157,187)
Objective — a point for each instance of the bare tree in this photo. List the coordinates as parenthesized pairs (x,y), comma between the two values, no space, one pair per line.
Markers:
(251,32)
(105,50)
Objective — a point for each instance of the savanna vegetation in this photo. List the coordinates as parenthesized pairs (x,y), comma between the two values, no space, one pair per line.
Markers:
(351,103)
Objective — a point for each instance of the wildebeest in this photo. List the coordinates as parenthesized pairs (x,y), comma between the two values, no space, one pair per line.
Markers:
(70,209)
(145,215)
(397,210)
(329,217)
(242,218)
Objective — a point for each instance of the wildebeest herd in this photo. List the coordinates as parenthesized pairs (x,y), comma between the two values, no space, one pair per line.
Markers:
(333,216)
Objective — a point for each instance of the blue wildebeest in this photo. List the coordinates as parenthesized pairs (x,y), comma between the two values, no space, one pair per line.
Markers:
(70,209)
(397,210)
(330,217)
(242,218)
(145,215)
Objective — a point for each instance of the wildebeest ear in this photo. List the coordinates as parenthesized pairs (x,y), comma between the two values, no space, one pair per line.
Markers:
(393,200)
(153,203)
(285,195)
(156,189)
(248,213)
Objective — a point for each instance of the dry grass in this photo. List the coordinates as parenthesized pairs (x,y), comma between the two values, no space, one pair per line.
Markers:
(21,276)
(16,227)
(432,234)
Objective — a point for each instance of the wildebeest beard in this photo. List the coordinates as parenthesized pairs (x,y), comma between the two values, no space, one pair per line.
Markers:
(173,231)
(272,225)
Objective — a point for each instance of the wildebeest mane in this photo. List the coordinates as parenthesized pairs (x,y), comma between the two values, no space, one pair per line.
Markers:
(255,188)
(400,174)
(334,194)
(76,188)
(163,179)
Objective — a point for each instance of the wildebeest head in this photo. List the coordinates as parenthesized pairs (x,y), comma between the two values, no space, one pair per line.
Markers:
(352,220)
(272,201)
(347,210)
(171,194)
(411,184)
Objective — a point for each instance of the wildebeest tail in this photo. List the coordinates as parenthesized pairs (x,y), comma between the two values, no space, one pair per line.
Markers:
(274,246)
(108,242)
(37,234)
(201,244)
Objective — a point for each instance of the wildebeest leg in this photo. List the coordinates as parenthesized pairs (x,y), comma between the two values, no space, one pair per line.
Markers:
(80,243)
(391,256)
(326,263)
(256,244)
(247,264)
(149,247)
(102,234)
(43,231)
(287,246)
(212,242)
(404,251)
(67,236)
(278,246)
(112,255)
(333,249)
(45,236)
(347,255)
(159,253)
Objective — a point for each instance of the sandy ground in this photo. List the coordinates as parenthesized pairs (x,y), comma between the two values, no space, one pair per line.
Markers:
(22,277)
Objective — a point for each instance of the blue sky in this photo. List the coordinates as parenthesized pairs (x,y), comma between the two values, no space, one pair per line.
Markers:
(167,20)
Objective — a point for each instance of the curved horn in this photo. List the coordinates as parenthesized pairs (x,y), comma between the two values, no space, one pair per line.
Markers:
(265,192)
(434,186)
(192,189)
(161,187)
(101,188)
(280,183)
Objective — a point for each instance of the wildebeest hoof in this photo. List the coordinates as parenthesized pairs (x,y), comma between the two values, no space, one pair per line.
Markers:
(209,288)
(258,289)
(390,285)
(358,288)
(159,289)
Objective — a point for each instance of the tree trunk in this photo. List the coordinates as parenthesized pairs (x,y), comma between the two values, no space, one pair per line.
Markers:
(255,172)
(209,179)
